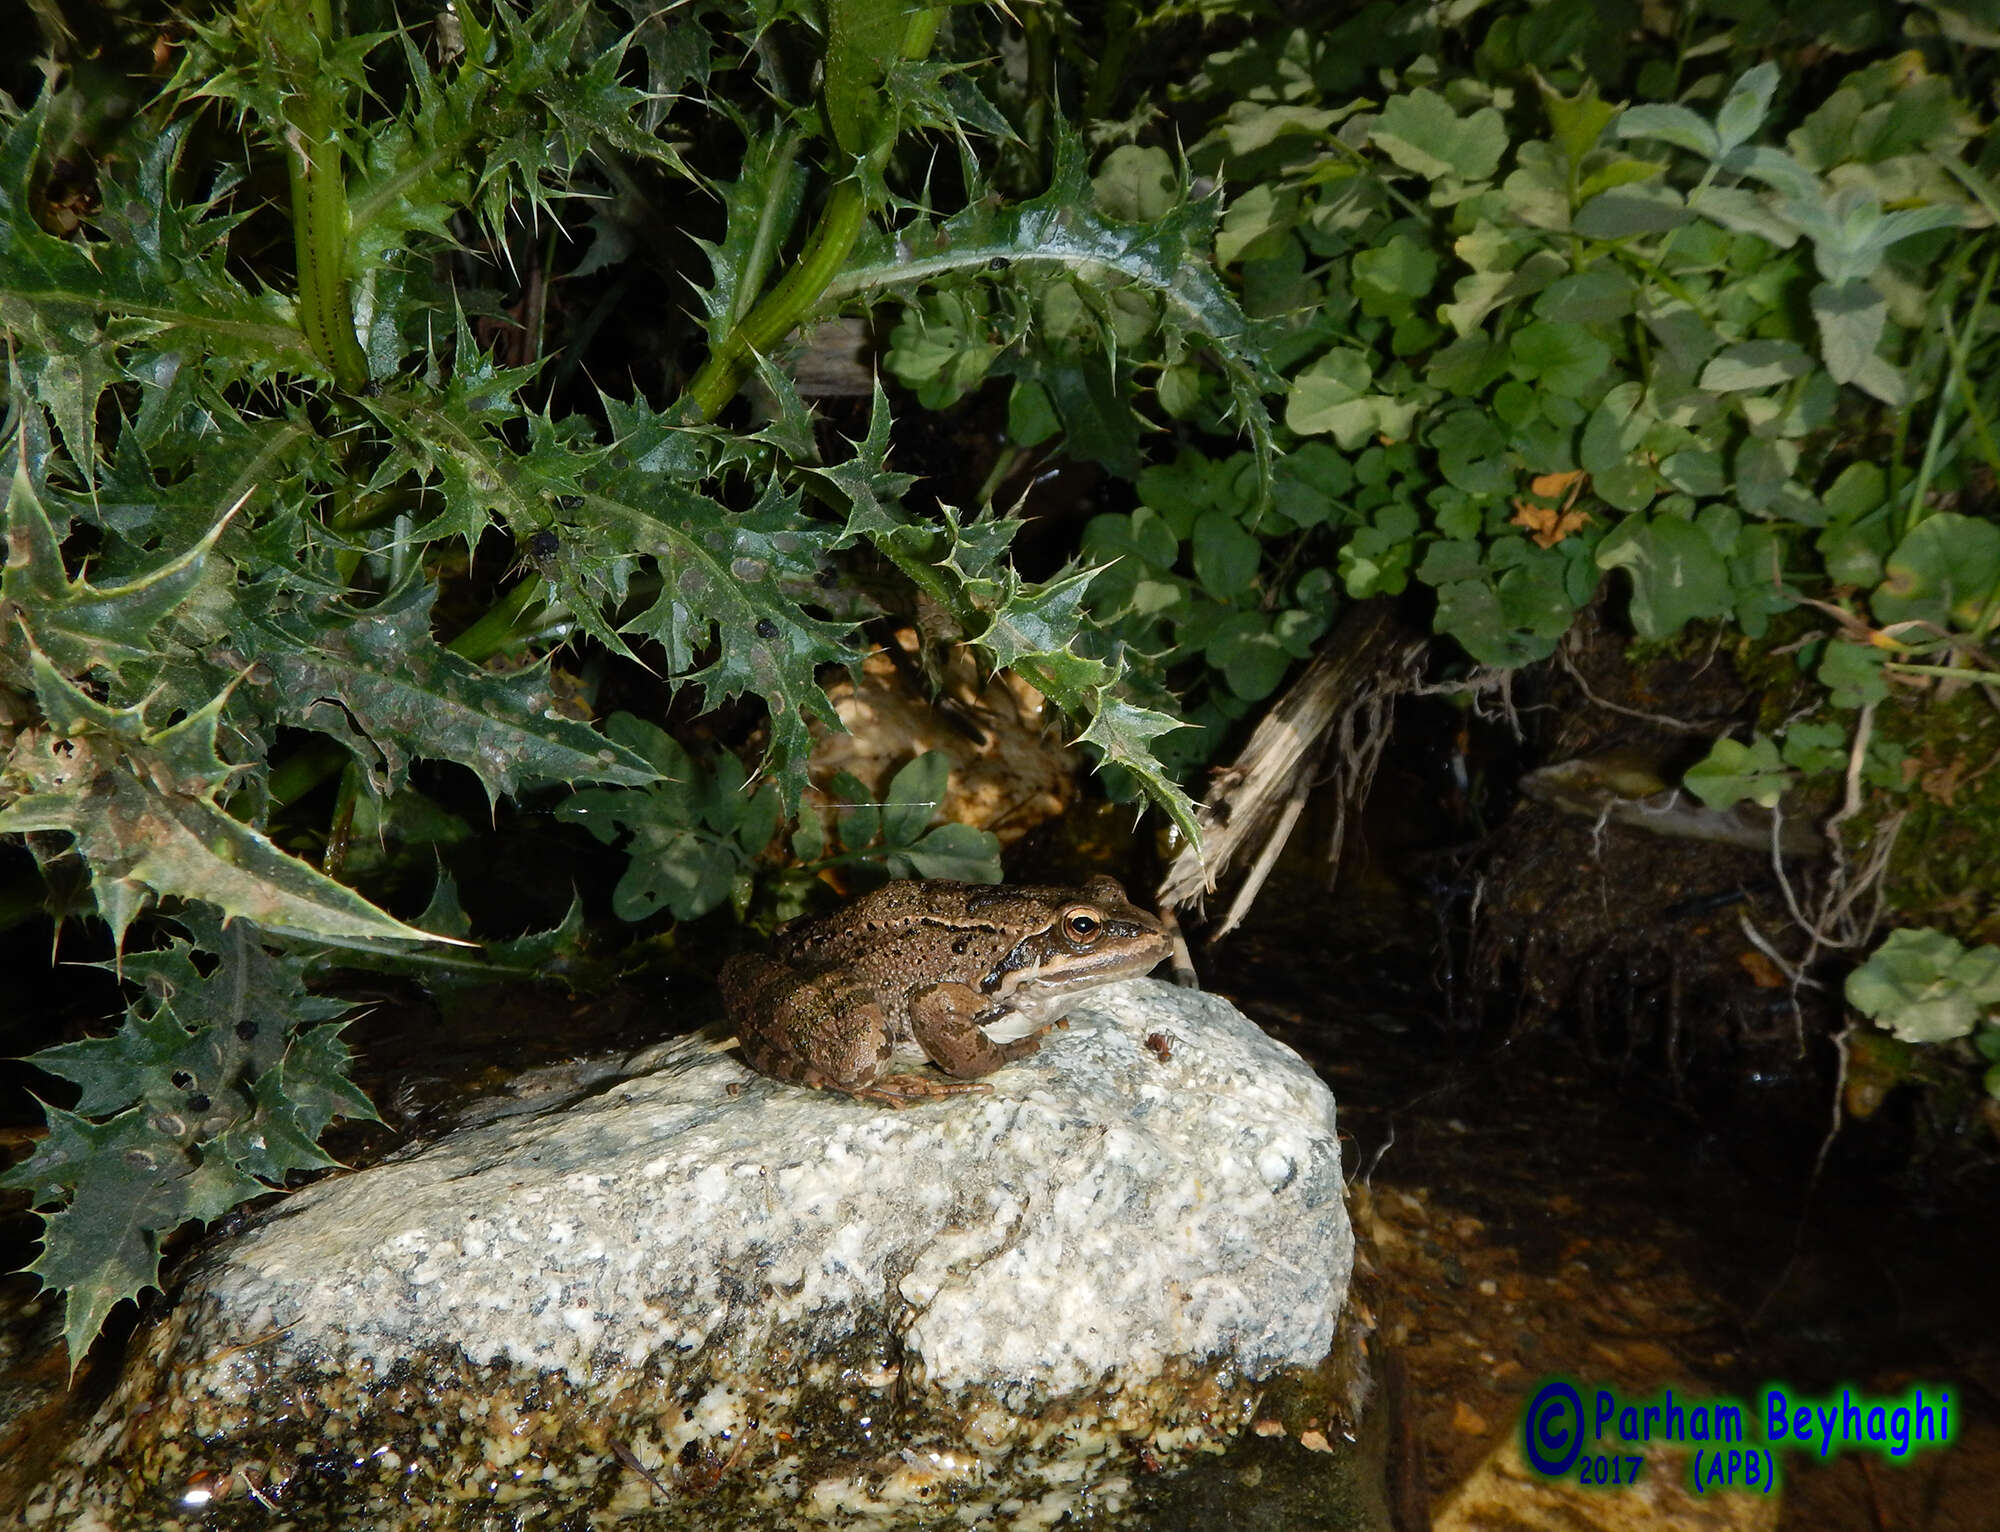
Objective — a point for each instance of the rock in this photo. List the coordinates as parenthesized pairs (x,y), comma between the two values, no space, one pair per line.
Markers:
(1505,1492)
(699,1297)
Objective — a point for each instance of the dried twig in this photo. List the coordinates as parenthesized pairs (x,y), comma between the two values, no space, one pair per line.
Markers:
(1336,713)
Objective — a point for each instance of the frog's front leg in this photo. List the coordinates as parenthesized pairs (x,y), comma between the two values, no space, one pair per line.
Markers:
(823,1031)
(945,1020)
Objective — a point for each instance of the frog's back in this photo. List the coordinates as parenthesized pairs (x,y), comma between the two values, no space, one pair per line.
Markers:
(929,925)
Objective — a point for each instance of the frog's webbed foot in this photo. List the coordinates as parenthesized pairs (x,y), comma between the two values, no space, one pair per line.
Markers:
(900,1091)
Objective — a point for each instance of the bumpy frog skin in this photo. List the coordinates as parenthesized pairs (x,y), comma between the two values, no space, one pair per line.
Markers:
(929,964)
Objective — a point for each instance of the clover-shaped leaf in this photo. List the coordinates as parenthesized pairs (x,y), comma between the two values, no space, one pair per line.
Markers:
(1733,771)
(1926,987)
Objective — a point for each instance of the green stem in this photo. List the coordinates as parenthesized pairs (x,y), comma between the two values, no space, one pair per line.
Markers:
(499,625)
(1652,270)
(1041,85)
(297,775)
(826,251)
(1120,24)
(320,224)
(1003,465)
(1943,672)
(750,281)
(850,95)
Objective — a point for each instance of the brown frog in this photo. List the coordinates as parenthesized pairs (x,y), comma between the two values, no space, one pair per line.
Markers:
(929,963)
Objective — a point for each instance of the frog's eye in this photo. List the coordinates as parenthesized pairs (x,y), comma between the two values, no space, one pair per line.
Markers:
(1082,926)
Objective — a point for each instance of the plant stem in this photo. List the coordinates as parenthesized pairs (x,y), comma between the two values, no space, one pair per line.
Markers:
(499,625)
(750,280)
(297,775)
(1119,26)
(826,248)
(1041,86)
(319,222)
(826,251)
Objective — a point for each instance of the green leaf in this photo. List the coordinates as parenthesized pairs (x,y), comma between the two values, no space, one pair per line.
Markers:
(760,208)
(1472,612)
(1421,132)
(1123,734)
(1226,558)
(1696,472)
(1061,231)
(377,681)
(78,625)
(1852,674)
(1312,479)
(1672,124)
(1746,106)
(727,583)
(1579,120)
(1602,295)
(1859,489)
(686,872)
(1329,397)
(1945,571)
(915,798)
(140,1062)
(159,271)
(954,851)
(1625,211)
(1136,185)
(197,1102)
(147,823)
(1040,622)
(1733,771)
(1249,655)
(1565,358)
(1614,431)
(104,1247)
(1390,278)
(1755,364)
(1815,748)
(1472,452)
(1926,987)
(1031,415)
(1677,574)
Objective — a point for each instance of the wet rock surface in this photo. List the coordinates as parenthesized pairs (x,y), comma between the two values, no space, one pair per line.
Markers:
(698,1297)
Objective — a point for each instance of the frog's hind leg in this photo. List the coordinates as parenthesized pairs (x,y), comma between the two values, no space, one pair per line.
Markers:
(827,1032)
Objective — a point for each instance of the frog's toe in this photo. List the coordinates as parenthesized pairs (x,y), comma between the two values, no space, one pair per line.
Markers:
(907,1090)
(1021,1047)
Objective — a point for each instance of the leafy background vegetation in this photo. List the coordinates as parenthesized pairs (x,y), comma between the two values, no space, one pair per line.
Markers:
(373,401)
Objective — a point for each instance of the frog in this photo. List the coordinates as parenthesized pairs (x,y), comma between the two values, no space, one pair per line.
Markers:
(930,963)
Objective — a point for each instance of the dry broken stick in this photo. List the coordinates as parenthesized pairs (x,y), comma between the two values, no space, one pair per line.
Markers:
(1331,724)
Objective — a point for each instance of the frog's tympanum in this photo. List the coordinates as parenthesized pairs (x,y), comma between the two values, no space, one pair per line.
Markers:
(929,963)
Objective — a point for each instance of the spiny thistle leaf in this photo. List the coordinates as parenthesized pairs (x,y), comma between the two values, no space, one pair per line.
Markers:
(158,272)
(377,681)
(723,614)
(1168,257)
(78,625)
(139,804)
(200,1100)
(104,1247)
(759,209)
(873,493)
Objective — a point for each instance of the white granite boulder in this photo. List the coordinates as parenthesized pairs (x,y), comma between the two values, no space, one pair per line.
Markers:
(698,1297)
